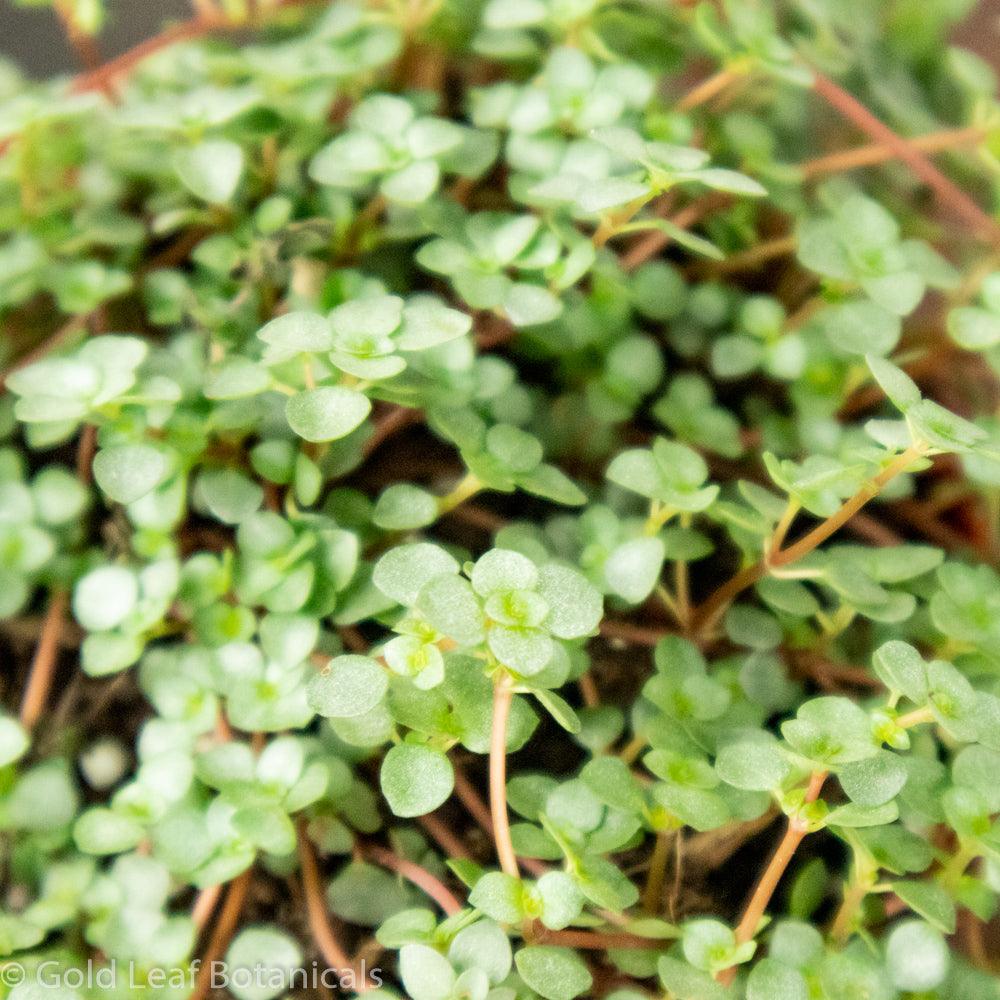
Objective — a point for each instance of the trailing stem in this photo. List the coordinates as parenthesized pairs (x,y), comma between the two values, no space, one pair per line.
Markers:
(949,193)
(653,242)
(502,697)
(747,260)
(222,933)
(848,509)
(468,486)
(708,89)
(43,665)
(708,613)
(440,832)
(395,419)
(652,895)
(880,152)
(781,529)
(915,718)
(854,896)
(206,21)
(83,44)
(66,334)
(418,876)
(319,922)
(795,833)
(204,905)
(600,940)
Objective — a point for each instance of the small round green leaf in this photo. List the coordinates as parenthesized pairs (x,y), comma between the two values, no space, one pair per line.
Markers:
(757,765)
(129,471)
(415,779)
(327,413)
(575,604)
(229,495)
(917,956)
(349,686)
(553,973)
(426,973)
(770,980)
(403,507)
(211,170)
(105,597)
(13,740)
(260,963)
(874,781)
(403,571)
(102,831)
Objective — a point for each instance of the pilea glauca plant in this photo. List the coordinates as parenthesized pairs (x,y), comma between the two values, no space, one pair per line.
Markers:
(502,500)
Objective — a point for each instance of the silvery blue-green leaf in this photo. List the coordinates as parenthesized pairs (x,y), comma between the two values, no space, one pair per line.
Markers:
(730,181)
(531,305)
(104,597)
(917,956)
(103,831)
(415,779)
(404,506)
(428,323)
(267,958)
(348,686)
(211,170)
(326,413)
(874,781)
(601,196)
(229,495)
(129,471)
(859,327)
(412,185)
(553,973)
(402,572)
(632,569)
(236,378)
(295,333)
(13,740)
(426,973)
(772,980)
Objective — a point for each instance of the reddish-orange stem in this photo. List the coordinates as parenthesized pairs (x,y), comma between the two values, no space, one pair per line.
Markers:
(319,922)
(84,45)
(222,933)
(418,875)
(879,152)
(204,905)
(749,259)
(634,635)
(439,831)
(480,812)
(502,697)
(848,509)
(601,941)
(43,665)
(949,192)
(708,613)
(653,242)
(86,447)
(795,832)
(469,798)
(707,89)
(395,419)
(102,77)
